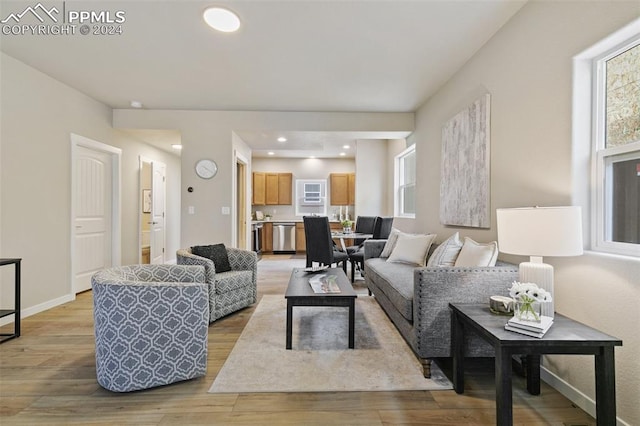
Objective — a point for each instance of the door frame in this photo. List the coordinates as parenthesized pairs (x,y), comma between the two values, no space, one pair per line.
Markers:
(239,158)
(142,159)
(116,157)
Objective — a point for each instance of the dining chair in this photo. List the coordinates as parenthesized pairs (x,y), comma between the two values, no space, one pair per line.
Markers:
(364,225)
(319,244)
(381,231)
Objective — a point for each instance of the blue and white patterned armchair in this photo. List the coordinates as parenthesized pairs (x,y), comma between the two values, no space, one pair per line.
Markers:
(228,291)
(151,325)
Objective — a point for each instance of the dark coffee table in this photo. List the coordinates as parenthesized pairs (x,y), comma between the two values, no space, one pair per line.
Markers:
(300,293)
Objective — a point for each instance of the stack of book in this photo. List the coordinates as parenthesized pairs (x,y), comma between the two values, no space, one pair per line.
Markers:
(534,329)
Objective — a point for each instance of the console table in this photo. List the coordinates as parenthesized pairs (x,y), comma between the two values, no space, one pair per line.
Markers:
(16,304)
(564,337)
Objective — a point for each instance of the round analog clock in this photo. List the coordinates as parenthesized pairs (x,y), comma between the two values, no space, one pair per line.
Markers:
(206,168)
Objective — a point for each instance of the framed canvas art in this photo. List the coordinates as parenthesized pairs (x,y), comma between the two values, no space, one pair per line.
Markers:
(465,172)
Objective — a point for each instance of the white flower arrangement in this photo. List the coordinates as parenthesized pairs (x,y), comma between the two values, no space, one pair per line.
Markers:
(528,292)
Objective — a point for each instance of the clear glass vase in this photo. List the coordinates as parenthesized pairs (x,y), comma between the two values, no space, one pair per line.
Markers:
(528,311)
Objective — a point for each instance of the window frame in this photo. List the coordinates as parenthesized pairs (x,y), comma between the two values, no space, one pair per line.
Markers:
(603,159)
(400,185)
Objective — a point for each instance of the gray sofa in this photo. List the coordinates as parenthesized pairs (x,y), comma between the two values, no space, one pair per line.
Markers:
(416,299)
(228,291)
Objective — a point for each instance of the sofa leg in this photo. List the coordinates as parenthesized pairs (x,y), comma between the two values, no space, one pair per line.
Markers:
(426,367)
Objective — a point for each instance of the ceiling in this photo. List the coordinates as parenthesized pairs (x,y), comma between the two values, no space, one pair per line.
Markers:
(336,56)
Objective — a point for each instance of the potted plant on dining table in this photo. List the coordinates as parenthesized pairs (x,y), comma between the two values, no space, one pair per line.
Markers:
(346,226)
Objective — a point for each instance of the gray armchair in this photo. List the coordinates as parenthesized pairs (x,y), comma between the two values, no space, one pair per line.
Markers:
(150,325)
(228,291)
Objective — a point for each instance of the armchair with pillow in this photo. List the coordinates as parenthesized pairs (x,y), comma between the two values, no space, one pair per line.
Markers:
(414,282)
(231,275)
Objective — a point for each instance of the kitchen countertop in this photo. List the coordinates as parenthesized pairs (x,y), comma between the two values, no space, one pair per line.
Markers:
(287,221)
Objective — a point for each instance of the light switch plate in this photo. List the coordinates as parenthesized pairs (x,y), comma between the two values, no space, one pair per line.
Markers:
(226,210)
(192,209)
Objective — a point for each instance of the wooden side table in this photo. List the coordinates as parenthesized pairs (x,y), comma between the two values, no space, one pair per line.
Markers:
(16,304)
(564,337)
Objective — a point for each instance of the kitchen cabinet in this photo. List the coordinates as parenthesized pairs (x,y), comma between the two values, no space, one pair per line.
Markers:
(272,188)
(343,189)
(267,237)
(258,188)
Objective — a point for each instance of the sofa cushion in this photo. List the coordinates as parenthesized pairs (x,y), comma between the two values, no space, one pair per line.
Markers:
(391,242)
(233,280)
(477,254)
(412,249)
(217,253)
(446,253)
(395,280)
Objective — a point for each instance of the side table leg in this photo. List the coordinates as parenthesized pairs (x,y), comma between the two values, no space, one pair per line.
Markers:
(352,323)
(504,409)
(457,351)
(289,323)
(605,387)
(533,374)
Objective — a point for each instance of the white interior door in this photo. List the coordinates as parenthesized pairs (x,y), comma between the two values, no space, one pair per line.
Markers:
(92,215)
(158,196)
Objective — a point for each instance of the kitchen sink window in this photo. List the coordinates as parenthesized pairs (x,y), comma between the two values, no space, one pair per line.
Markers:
(311,197)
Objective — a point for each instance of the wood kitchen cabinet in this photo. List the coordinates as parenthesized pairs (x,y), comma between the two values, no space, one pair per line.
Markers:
(258,188)
(343,189)
(267,237)
(272,188)
(301,241)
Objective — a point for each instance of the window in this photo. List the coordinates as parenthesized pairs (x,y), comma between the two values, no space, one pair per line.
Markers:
(405,194)
(616,150)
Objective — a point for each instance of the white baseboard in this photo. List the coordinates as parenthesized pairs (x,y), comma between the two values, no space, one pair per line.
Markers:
(573,394)
(24,313)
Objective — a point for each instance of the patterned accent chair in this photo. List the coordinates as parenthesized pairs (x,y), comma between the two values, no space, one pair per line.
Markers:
(151,325)
(228,291)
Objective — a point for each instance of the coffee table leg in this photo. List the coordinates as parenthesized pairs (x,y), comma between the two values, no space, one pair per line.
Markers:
(533,374)
(457,351)
(352,323)
(504,409)
(289,323)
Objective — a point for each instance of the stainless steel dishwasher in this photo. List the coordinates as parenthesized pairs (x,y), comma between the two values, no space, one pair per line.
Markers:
(284,237)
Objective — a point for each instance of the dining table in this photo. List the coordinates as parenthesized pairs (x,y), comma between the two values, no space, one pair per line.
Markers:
(349,236)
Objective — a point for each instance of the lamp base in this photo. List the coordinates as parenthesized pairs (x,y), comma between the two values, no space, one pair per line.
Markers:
(541,274)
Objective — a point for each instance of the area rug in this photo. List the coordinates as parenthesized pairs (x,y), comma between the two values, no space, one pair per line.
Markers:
(320,360)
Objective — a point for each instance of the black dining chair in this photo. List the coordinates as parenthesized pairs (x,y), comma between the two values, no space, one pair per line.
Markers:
(364,225)
(381,231)
(319,243)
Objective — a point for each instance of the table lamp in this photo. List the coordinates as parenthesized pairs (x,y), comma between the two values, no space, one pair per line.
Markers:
(538,232)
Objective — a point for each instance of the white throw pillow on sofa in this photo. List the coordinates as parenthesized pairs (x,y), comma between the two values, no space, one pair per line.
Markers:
(412,249)
(447,252)
(391,242)
(477,254)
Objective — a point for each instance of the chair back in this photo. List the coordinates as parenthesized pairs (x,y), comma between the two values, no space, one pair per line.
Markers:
(319,244)
(382,228)
(364,225)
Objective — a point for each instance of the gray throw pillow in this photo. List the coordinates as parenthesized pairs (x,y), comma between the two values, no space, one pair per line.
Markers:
(217,253)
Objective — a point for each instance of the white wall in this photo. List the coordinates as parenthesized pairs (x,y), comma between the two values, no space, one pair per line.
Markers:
(209,134)
(371,177)
(38,116)
(527,69)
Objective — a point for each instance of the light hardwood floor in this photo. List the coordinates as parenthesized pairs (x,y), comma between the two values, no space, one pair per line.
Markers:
(47,376)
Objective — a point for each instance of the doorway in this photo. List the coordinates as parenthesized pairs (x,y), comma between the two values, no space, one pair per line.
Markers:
(95,209)
(241,203)
(152,222)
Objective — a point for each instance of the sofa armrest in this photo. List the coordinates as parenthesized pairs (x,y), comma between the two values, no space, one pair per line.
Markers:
(242,260)
(436,287)
(185,257)
(373,248)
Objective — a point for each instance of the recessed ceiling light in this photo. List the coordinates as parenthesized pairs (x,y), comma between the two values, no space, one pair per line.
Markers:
(282,139)
(176,146)
(136,104)
(271,153)
(342,154)
(346,146)
(221,19)
(312,156)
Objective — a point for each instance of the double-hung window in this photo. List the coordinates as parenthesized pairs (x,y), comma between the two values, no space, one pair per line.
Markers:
(616,150)
(405,183)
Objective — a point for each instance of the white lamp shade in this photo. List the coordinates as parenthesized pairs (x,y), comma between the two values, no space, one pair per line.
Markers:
(540,231)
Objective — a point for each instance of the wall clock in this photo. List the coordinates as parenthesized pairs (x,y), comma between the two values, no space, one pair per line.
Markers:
(206,168)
